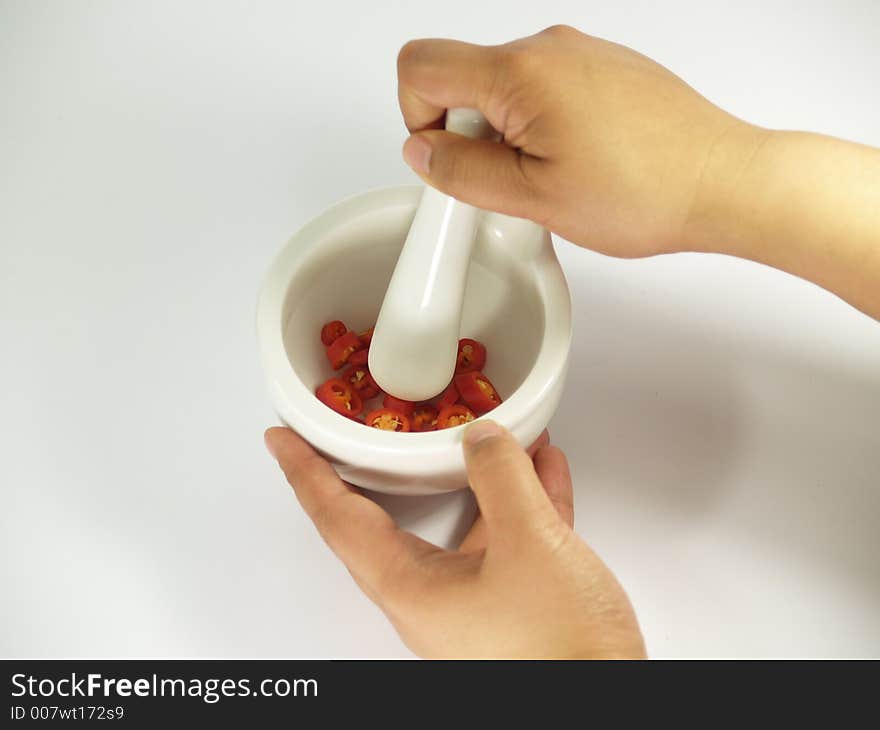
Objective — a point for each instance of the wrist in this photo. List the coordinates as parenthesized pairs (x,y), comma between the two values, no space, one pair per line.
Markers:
(723,216)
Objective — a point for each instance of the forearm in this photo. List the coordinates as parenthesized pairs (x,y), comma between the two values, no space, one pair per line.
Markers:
(804,203)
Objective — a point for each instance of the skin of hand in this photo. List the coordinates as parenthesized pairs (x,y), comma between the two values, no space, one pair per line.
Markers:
(522,584)
(613,152)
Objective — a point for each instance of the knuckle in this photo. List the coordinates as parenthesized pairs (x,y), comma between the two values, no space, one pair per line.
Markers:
(526,56)
(408,55)
(492,455)
(451,165)
(559,30)
(555,536)
(458,167)
(448,165)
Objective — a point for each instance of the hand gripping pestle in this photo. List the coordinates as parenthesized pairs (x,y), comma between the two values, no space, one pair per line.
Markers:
(415,342)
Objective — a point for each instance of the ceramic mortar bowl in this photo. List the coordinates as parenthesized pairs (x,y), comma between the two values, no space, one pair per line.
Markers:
(338,267)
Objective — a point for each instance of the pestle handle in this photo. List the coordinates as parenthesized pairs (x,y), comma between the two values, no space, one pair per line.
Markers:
(414,345)
(469,123)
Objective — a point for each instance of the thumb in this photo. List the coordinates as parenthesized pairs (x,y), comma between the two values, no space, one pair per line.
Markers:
(502,476)
(481,172)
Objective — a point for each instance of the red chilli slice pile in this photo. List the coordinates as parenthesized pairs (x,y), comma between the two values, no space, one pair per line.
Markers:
(469,395)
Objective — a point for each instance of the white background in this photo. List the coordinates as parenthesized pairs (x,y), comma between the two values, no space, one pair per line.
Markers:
(722,419)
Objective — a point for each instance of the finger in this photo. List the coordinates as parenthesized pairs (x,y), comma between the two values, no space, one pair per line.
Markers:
(475,539)
(539,443)
(551,465)
(435,74)
(378,554)
(509,494)
(484,173)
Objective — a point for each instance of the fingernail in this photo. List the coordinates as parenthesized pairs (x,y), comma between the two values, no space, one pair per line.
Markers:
(271,449)
(480,431)
(417,153)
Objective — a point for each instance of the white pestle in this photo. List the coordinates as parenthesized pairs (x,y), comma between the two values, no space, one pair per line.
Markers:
(414,345)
